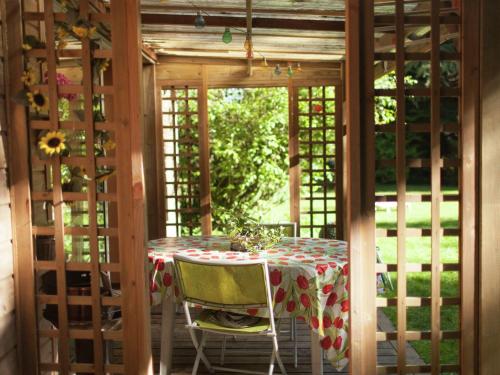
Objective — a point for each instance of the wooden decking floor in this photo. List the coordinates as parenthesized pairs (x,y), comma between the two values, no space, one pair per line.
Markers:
(253,353)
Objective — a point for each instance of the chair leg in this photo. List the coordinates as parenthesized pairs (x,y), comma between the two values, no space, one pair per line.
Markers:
(223,350)
(199,349)
(271,362)
(276,353)
(293,323)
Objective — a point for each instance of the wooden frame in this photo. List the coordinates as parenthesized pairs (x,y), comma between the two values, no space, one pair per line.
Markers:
(122,127)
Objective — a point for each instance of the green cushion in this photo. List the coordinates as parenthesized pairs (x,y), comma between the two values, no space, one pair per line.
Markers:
(206,321)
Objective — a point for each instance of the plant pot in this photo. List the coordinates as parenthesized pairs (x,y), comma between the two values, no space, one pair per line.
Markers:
(236,246)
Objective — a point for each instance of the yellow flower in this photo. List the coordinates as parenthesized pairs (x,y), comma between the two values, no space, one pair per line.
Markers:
(27,47)
(28,78)
(52,143)
(37,100)
(109,145)
(84,31)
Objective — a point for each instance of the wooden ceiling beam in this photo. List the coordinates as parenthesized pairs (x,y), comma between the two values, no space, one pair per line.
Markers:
(258,10)
(258,22)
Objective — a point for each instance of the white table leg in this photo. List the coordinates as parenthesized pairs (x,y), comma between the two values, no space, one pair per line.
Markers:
(167,335)
(316,355)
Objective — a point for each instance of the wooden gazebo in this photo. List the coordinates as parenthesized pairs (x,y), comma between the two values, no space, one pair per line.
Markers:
(89,210)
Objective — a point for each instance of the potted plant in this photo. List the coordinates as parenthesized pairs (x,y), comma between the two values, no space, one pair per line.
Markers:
(248,235)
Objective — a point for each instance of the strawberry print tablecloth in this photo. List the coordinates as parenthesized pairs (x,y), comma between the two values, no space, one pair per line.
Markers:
(309,277)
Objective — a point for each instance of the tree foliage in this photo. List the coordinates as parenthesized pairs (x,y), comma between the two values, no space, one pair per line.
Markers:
(248,146)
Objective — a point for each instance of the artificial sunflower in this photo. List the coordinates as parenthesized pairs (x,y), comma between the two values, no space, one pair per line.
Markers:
(104,65)
(84,31)
(27,47)
(61,44)
(52,143)
(61,32)
(28,78)
(104,176)
(37,100)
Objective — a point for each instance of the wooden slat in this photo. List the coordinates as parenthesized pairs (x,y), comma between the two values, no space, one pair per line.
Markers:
(418,335)
(418,232)
(63,347)
(401,184)
(435,187)
(415,267)
(90,140)
(418,302)
(204,152)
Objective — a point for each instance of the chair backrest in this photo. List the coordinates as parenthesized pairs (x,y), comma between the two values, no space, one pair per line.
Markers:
(289,227)
(222,283)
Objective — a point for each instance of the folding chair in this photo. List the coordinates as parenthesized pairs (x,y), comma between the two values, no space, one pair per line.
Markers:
(226,285)
(290,229)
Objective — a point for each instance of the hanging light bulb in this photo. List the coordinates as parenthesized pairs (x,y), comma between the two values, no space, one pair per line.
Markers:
(277,70)
(290,71)
(227,37)
(264,62)
(199,21)
(299,68)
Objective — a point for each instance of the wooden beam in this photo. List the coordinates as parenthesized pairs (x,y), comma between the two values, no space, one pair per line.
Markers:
(361,185)
(204,145)
(167,8)
(19,175)
(249,37)
(339,162)
(258,22)
(469,184)
(489,241)
(130,187)
(293,154)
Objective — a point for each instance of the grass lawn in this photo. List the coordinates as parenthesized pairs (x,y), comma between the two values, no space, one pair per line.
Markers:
(418,251)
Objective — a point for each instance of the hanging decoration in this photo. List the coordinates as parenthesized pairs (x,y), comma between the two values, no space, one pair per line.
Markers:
(290,70)
(299,68)
(199,21)
(264,62)
(277,70)
(227,37)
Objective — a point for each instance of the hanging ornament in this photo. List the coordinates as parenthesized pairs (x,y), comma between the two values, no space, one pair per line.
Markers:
(299,68)
(199,21)
(248,44)
(227,37)
(264,62)
(250,54)
(277,70)
(289,71)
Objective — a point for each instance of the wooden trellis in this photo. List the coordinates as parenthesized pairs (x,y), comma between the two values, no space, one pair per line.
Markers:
(447,23)
(180,119)
(73,319)
(317,119)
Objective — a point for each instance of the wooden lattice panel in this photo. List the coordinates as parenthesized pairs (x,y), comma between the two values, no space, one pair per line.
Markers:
(180,119)
(404,134)
(78,146)
(318,140)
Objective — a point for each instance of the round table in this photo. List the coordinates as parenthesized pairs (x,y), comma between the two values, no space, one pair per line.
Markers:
(309,278)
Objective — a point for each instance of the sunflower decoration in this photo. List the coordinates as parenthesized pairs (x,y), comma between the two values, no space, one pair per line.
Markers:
(52,143)
(83,29)
(37,100)
(28,78)
(102,177)
(27,47)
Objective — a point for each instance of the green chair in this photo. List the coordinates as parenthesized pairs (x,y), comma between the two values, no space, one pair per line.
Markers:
(223,285)
(290,229)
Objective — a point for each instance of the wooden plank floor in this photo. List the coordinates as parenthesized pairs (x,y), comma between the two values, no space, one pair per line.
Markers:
(253,353)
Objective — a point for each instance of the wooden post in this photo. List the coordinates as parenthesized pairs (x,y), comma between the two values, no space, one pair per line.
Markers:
(130,187)
(22,236)
(160,162)
(339,162)
(204,145)
(293,155)
(489,241)
(469,184)
(361,185)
